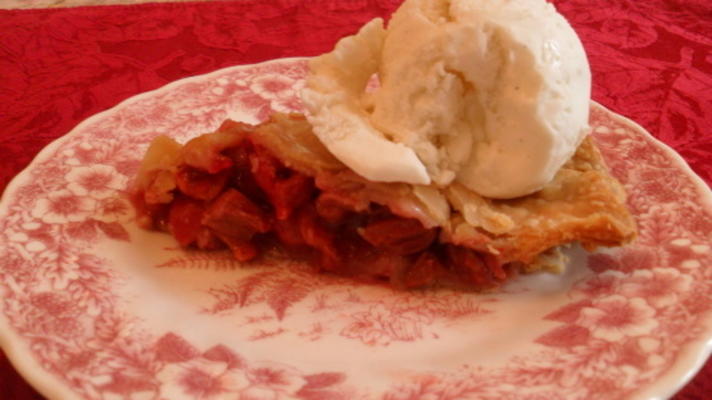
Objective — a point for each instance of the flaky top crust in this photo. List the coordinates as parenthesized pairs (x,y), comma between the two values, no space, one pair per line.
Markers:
(584,203)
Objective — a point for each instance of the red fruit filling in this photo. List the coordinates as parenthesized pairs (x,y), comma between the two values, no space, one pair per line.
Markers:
(229,191)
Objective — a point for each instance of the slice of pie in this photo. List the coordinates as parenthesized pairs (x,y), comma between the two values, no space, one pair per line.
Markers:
(249,188)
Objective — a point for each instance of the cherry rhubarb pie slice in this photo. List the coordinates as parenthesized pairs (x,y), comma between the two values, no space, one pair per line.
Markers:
(249,188)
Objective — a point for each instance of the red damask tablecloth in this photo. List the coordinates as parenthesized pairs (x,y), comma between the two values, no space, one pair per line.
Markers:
(651,61)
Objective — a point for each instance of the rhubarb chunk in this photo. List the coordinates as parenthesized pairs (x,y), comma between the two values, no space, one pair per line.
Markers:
(200,185)
(398,235)
(286,189)
(467,266)
(234,216)
(184,220)
(424,272)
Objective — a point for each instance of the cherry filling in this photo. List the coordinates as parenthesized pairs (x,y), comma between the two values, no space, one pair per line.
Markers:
(239,196)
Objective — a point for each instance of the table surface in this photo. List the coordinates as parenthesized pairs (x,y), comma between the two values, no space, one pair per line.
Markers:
(651,61)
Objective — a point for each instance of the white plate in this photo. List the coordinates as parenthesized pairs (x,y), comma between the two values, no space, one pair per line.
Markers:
(95,308)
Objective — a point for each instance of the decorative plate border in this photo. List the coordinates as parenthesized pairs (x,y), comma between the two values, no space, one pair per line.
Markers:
(621,330)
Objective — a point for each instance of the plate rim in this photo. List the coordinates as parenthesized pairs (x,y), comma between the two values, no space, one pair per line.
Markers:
(696,352)
(705,352)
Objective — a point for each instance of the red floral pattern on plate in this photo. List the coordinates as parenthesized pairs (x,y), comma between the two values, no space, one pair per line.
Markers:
(85,292)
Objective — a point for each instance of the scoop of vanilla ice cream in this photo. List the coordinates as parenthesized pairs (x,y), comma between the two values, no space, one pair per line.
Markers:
(491,93)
